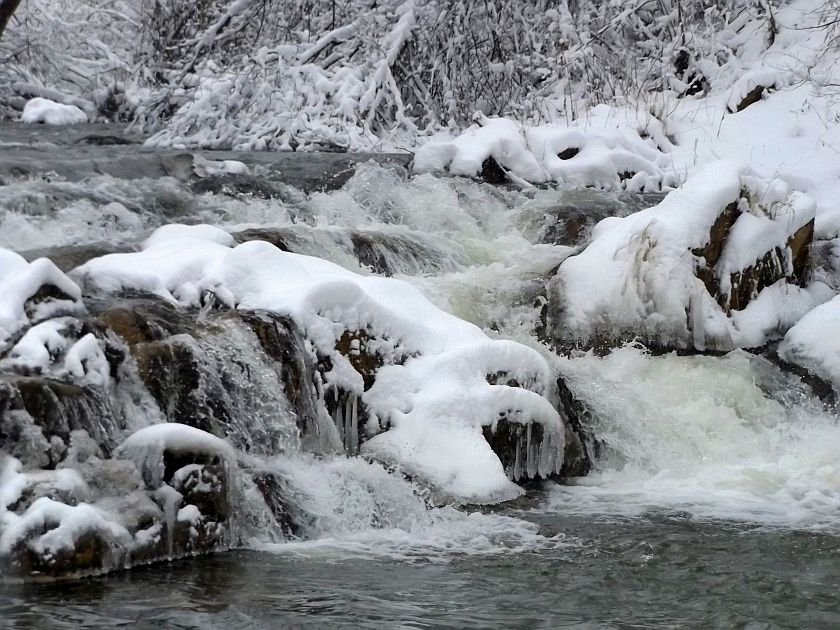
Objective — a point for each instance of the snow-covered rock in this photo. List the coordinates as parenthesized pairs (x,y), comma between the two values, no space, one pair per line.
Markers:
(149,449)
(699,270)
(814,344)
(434,410)
(610,150)
(43,110)
(32,292)
(93,515)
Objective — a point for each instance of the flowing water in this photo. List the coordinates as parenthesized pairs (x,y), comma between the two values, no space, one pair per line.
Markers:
(715,501)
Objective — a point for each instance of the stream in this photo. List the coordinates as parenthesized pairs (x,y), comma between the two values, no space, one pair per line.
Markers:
(715,497)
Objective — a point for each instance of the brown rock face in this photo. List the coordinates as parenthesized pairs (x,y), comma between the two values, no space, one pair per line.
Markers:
(771,268)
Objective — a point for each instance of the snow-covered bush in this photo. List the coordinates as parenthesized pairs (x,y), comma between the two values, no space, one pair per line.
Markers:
(284,73)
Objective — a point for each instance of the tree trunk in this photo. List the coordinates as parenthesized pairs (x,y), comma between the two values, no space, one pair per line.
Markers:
(7,9)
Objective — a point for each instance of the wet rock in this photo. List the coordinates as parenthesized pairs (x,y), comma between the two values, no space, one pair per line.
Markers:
(105,140)
(92,553)
(279,237)
(57,408)
(273,488)
(388,254)
(527,451)
(142,319)
(580,447)
(240,186)
(570,220)
(282,340)
(68,257)
(492,173)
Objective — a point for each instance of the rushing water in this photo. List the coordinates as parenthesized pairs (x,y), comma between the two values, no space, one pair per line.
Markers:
(716,496)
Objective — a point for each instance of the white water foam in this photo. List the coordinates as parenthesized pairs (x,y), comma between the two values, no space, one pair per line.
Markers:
(352,508)
(716,437)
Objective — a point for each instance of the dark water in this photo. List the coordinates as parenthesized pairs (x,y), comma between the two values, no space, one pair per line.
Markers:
(75,152)
(656,571)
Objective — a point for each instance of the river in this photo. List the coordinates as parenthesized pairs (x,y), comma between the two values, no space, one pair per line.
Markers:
(716,492)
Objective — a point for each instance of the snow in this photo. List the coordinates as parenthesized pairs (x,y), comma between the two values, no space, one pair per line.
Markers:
(428,394)
(39,344)
(19,282)
(86,363)
(206,168)
(814,344)
(42,110)
(189,514)
(147,446)
(610,147)
(638,273)
(177,231)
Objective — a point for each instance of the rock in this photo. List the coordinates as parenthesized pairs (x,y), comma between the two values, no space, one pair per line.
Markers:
(240,186)
(526,451)
(772,267)
(91,554)
(752,97)
(272,489)
(577,459)
(682,275)
(492,173)
(279,237)
(57,408)
(569,220)
(68,257)
(388,254)
(283,341)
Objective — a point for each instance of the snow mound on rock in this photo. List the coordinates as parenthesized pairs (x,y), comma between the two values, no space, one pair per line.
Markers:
(43,110)
(147,446)
(21,283)
(436,390)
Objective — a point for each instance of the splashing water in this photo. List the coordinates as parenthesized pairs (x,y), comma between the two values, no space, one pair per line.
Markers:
(729,437)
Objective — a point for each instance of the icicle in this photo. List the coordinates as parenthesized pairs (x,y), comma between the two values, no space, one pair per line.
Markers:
(171,500)
(531,458)
(516,472)
(354,424)
(338,418)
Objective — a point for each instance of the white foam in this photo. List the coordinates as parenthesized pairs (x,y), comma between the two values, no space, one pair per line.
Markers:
(698,434)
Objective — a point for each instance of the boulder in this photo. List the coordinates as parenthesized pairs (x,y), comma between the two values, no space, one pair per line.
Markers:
(722,262)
